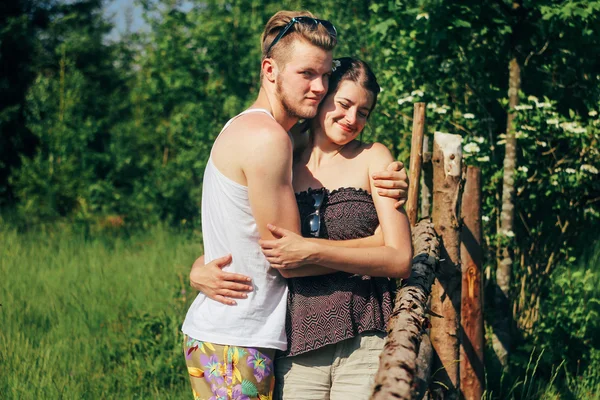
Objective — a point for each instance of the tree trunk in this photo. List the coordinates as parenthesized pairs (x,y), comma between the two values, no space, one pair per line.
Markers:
(445,294)
(501,339)
(399,373)
(471,315)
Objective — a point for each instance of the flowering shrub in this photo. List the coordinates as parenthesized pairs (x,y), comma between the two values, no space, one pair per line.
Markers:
(557,183)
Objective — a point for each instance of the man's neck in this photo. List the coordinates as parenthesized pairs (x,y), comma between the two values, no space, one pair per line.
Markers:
(273,105)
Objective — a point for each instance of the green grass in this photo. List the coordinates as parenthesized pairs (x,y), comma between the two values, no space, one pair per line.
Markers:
(97,318)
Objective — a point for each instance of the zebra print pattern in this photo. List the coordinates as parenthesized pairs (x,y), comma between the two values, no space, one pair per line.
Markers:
(327,309)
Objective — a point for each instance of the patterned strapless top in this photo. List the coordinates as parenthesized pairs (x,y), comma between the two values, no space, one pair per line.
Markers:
(327,309)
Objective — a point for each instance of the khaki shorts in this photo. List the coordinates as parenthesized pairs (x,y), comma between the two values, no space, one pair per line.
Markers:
(340,371)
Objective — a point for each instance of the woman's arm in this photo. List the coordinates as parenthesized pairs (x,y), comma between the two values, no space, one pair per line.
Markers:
(391,181)
(290,252)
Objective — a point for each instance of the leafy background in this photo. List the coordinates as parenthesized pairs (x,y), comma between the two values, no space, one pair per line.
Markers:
(104,139)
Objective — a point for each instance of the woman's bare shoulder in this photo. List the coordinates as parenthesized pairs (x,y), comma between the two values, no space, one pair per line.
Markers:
(371,150)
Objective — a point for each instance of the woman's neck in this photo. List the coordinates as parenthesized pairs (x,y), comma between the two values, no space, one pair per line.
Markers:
(321,150)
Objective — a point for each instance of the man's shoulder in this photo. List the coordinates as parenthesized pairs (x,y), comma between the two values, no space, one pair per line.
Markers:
(259,134)
(255,125)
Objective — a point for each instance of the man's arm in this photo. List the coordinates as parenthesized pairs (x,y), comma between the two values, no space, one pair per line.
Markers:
(217,284)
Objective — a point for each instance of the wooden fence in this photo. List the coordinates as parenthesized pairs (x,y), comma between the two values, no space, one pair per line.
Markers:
(434,347)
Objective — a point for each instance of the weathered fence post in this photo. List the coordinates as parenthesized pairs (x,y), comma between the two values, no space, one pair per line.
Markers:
(426,180)
(472,338)
(416,158)
(445,294)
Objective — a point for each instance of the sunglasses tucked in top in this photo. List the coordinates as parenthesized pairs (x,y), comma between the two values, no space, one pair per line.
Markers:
(309,21)
(314,219)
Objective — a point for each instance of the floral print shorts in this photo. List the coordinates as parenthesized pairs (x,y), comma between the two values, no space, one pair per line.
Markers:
(219,372)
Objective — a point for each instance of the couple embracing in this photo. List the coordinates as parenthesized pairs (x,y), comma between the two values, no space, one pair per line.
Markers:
(309,242)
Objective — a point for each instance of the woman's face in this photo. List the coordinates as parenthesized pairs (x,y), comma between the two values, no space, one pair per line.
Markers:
(343,114)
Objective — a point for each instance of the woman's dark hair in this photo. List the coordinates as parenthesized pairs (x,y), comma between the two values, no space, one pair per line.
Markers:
(354,70)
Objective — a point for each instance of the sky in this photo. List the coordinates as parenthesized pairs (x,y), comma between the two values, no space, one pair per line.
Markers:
(117,11)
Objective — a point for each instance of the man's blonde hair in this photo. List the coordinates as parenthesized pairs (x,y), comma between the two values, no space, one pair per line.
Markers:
(281,52)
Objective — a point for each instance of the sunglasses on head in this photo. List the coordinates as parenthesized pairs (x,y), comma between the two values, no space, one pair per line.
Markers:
(313,23)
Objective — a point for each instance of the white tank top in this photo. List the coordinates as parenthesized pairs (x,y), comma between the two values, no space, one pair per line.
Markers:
(228,227)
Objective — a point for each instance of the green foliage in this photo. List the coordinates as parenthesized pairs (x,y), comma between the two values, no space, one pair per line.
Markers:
(570,315)
(53,182)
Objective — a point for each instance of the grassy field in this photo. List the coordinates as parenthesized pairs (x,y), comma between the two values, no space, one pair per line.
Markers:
(93,318)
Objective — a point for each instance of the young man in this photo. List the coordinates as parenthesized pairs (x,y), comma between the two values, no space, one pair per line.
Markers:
(248,185)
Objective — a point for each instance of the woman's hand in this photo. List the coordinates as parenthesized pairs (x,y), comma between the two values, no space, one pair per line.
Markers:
(288,251)
(393,182)
(217,284)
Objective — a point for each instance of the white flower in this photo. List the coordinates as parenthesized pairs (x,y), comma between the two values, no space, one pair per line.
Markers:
(423,15)
(533,98)
(468,116)
(570,170)
(523,169)
(502,136)
(521,107)
(485,218)
(440,110)
(552,121)
(431,105)
(589,168)
(501,142)
(528,128)
(542,105)
(543,144)
(593,113)
(471,148)
(507,233)
(554,183)
(483,159)
(417,93)
(479,139)
(557,169)
(567,126)
(521,135)
(407,99)
(573,127)
(336,65)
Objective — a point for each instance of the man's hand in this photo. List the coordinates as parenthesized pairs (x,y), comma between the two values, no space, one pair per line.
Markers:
(217,284)
(392,182)
(288,251)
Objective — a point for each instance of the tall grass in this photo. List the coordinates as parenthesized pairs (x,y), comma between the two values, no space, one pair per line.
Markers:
(96,318)
(560,358)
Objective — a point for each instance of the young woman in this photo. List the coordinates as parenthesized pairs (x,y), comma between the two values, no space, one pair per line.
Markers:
(340,299)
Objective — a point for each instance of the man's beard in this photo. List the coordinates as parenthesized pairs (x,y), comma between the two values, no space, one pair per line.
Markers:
(292,110)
